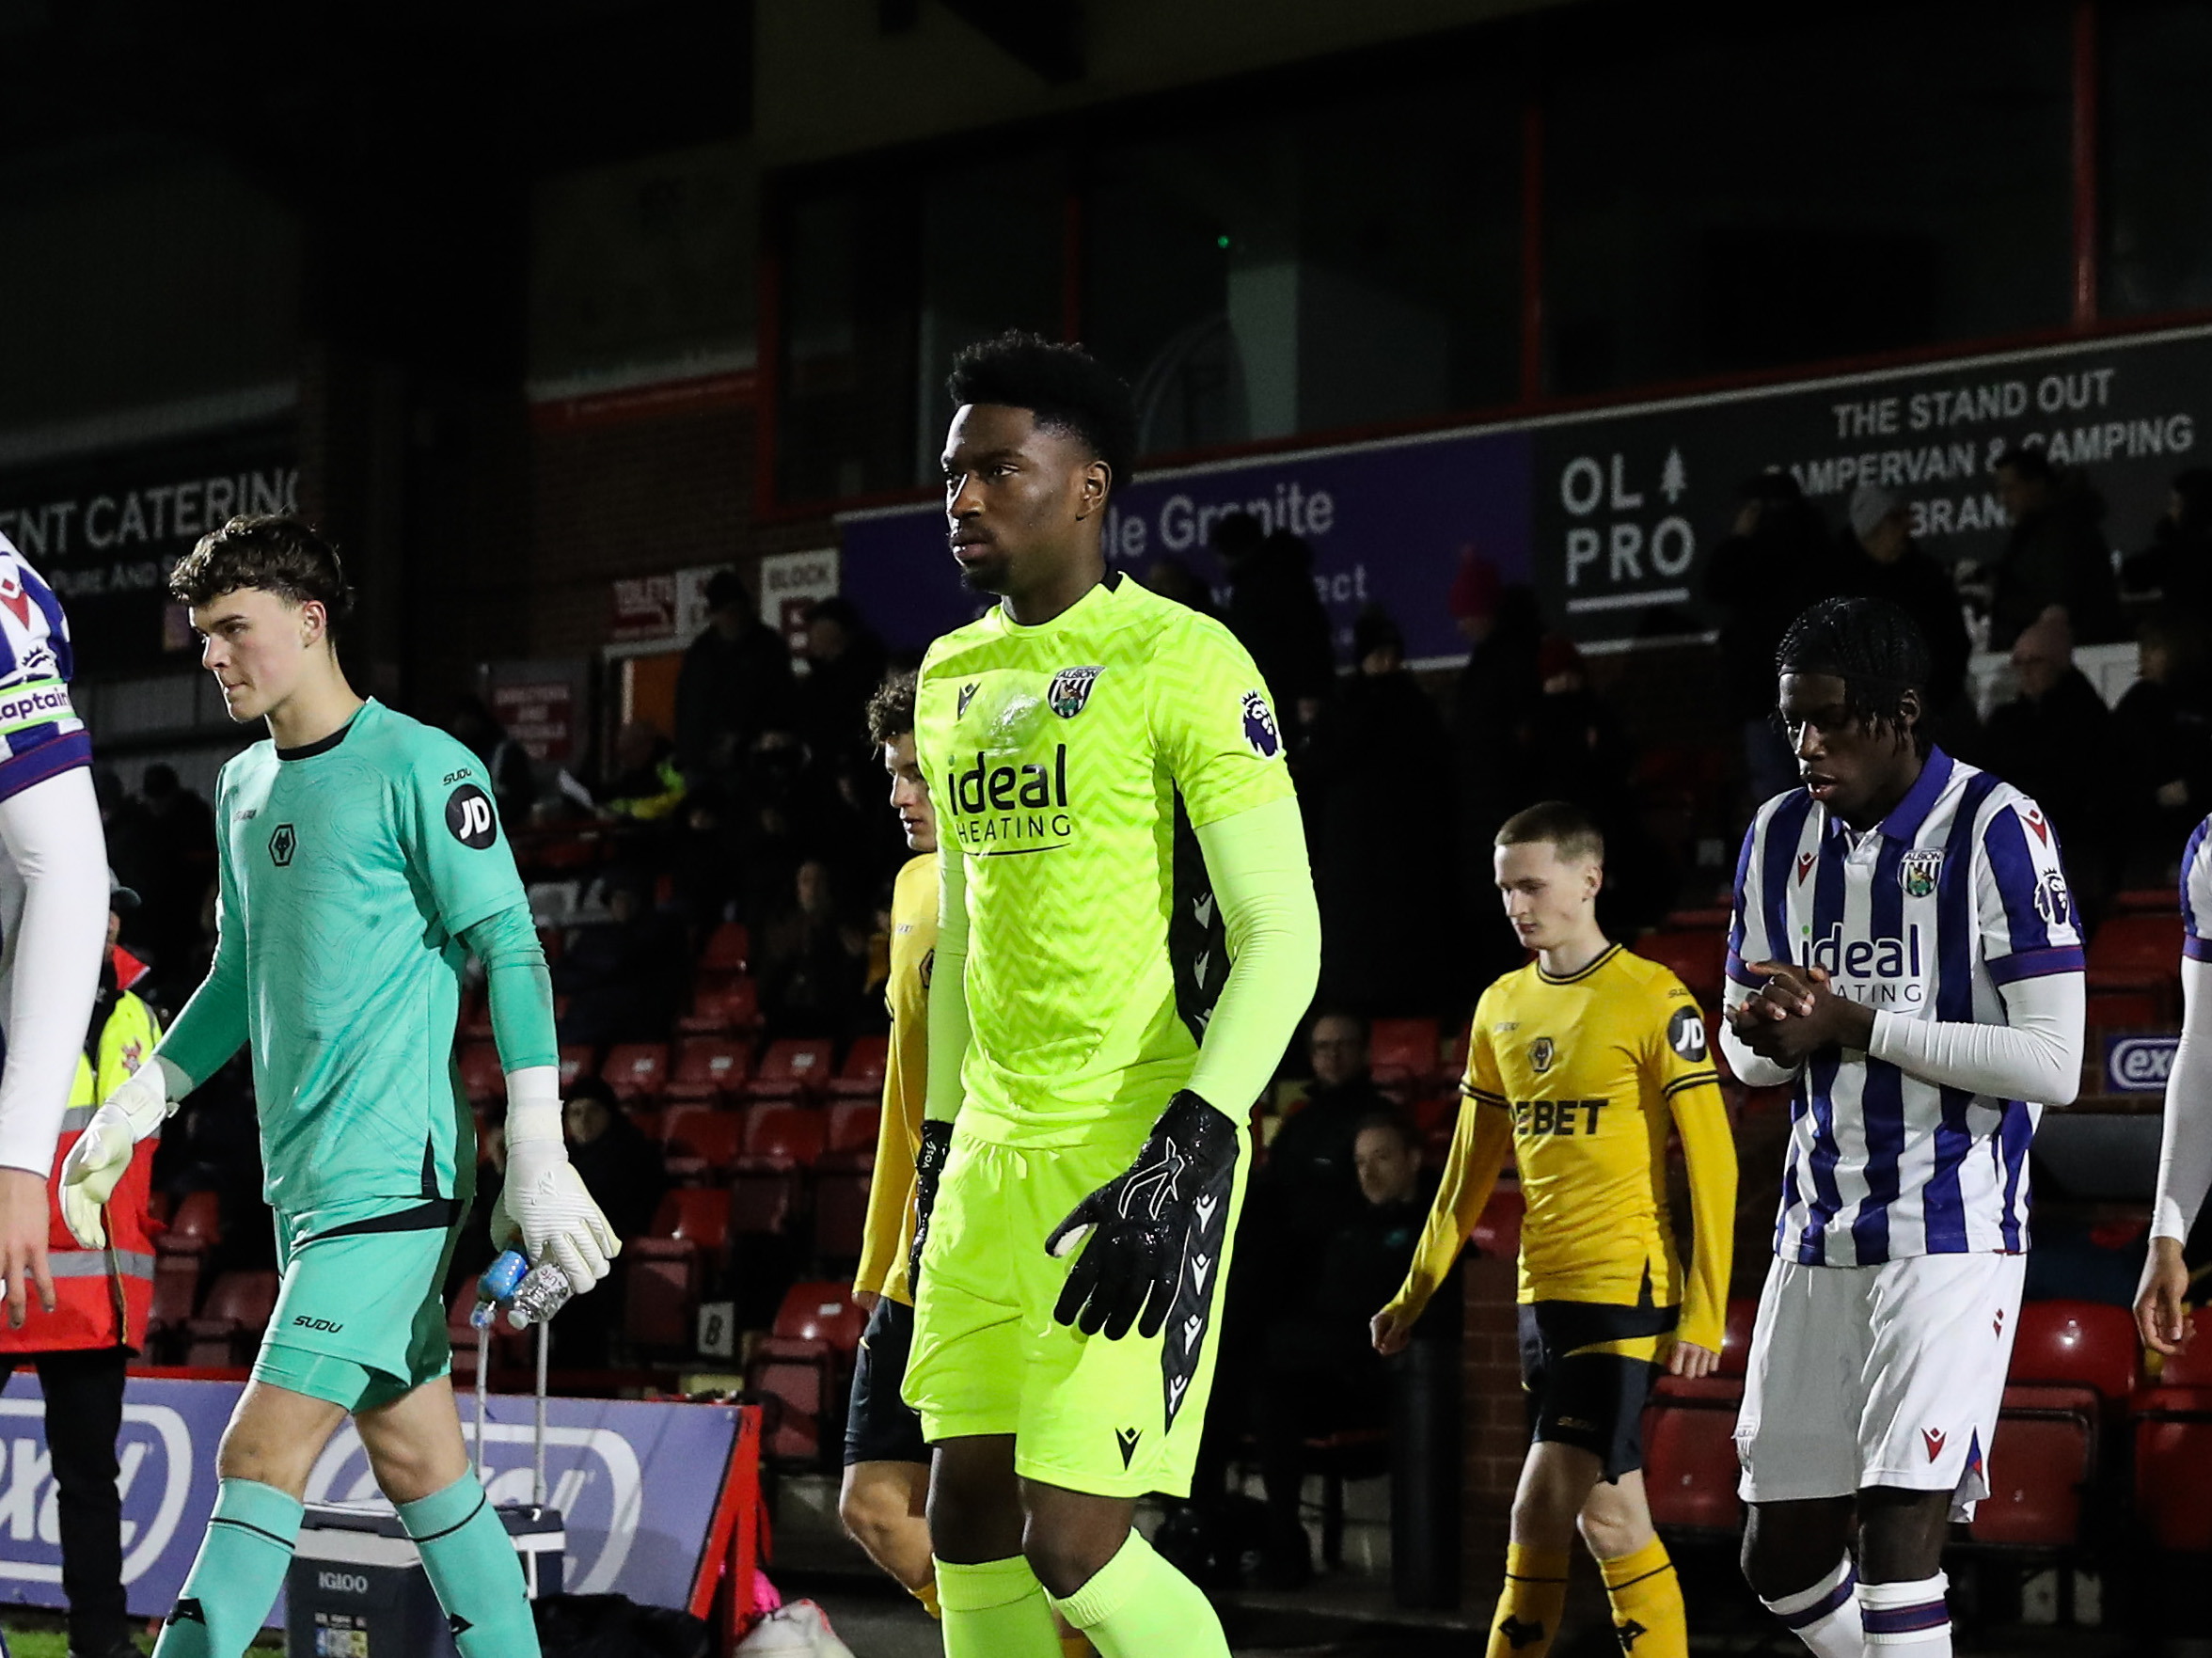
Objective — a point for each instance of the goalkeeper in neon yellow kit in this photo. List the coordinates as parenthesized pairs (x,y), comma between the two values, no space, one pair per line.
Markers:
(361,862)
(1089,1088)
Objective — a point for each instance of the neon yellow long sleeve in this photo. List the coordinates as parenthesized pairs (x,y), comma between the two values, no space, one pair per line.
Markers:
(1257,861)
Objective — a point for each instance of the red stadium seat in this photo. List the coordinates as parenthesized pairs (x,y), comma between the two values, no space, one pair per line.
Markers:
(728,949)
(231,1322)
(2042,1463)
(1497,1232)
(480,1074)
(2086,1346)
(2146,900)
(196,1228)
(698,1216)
(782,1137)
(709,1068)
(2072,1363)
(805,1364)
(2173,1448)
(663,1272)
(702,1141)
(2122,1010)
(176,1289)
(793,1067)
(2137,952)
(636,1071)
(861,1075)
(730,1004)
(1690,1466)
(1402,1053)
(1696,959)
(851,1126)
(475,1023)
(575,1061)
(822,1311)
(841,1210)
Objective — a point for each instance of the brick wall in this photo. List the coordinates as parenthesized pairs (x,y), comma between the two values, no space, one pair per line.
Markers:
(1494,1426)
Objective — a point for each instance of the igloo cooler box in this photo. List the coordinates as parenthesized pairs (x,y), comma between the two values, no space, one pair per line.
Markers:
(356,1588)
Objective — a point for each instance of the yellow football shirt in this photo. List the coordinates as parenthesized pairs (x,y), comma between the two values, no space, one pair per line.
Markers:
(1056,757)
(890,1226)
(1586,1077)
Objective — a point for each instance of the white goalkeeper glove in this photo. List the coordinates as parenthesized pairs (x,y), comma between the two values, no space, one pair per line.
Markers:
(136,1108)
(544,1202)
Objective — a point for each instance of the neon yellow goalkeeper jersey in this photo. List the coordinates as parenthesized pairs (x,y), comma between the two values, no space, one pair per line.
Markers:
(1058,757)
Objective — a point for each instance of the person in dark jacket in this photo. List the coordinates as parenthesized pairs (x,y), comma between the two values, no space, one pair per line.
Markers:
(1308,1185)
(505,761)
(623,976)
(1776,561)
(846,662)
(1878,559)
(2177,565)
(734,683)
(2164,731)
(1493,724)
(624,1174)
(2056,555)
(1384,853)
(1275,611)
(2055,742)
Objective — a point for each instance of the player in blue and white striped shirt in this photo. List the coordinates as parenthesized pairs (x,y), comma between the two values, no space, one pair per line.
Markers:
(2185,1160)
(1904,954)
(52,912)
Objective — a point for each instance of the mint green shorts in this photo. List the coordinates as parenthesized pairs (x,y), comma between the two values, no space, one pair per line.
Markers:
(360,1317)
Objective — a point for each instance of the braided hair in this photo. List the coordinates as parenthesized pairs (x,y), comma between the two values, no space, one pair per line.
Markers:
(1876,650)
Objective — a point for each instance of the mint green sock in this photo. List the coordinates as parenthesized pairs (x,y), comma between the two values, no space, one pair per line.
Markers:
(236,1574)
(472,1566)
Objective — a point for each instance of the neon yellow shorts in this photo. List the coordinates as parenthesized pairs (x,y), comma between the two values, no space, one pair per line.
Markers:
(1086,1413)
(360,1317)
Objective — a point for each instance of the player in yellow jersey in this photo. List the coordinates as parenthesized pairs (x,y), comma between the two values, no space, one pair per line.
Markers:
(1073,1226)
(1580,1064)
(885,1460)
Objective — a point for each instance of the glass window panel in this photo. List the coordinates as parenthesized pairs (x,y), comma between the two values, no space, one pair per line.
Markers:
(1815,189)
(2157,159)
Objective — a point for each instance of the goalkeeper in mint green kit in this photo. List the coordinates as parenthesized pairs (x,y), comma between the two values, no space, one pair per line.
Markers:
(361,862)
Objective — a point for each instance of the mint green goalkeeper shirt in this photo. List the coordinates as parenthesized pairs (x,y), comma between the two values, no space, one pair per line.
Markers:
(348,871)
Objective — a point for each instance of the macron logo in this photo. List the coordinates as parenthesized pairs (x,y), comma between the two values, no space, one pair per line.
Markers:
(1934,1437)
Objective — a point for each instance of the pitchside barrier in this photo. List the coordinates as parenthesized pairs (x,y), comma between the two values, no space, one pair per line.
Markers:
(661,1498)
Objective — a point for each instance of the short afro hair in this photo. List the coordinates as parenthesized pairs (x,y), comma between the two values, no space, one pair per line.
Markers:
(1567,830)
(890,710)
(1063,387)
(274,552)
(1876,649)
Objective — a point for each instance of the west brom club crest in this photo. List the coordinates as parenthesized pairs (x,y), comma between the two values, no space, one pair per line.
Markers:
(1917,872)
(1070,689)
(1261,729)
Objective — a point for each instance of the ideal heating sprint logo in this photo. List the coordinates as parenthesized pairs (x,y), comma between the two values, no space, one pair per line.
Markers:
(1881,972)
(1000,807)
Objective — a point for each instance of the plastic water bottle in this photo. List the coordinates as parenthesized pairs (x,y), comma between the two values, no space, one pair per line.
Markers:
(498,1287)
(541,1294)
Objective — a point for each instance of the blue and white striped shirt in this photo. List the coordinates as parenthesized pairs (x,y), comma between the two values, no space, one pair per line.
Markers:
(2196,896)
(40,734)
(1956,893)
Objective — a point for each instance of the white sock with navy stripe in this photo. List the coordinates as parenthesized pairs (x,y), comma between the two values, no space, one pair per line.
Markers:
(1906,1615)
(1825,1616)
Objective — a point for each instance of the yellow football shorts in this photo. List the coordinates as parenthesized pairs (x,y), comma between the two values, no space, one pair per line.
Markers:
(1086,1413)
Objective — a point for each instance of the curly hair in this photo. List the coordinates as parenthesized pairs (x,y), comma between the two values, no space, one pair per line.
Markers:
(1876,649)
(1063,387)
(275,552)
(890,710)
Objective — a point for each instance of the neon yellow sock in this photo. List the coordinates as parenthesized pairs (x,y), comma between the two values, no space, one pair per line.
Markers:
(995,1610)
(1527,1620)
(1647,1603)
(1137,1606)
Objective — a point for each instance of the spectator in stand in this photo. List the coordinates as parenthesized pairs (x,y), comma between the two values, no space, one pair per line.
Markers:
(1373,771)
(1879,559)
(1308,1184)
(2164,728)
(846,662)
(1579,754)
(178,863)
(813,961)
(2177,565)
(735,681)
(1776,561)
(2056,555)
(1494,724)
(623,976)
(82,1347)
(1276,614)
(1321,1375)
(505,761)
(623,1173)
(645,786)
(2056,743)
(1170,579)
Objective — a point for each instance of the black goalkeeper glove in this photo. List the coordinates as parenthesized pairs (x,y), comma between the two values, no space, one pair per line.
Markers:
(1156,1232)
(937,1146)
